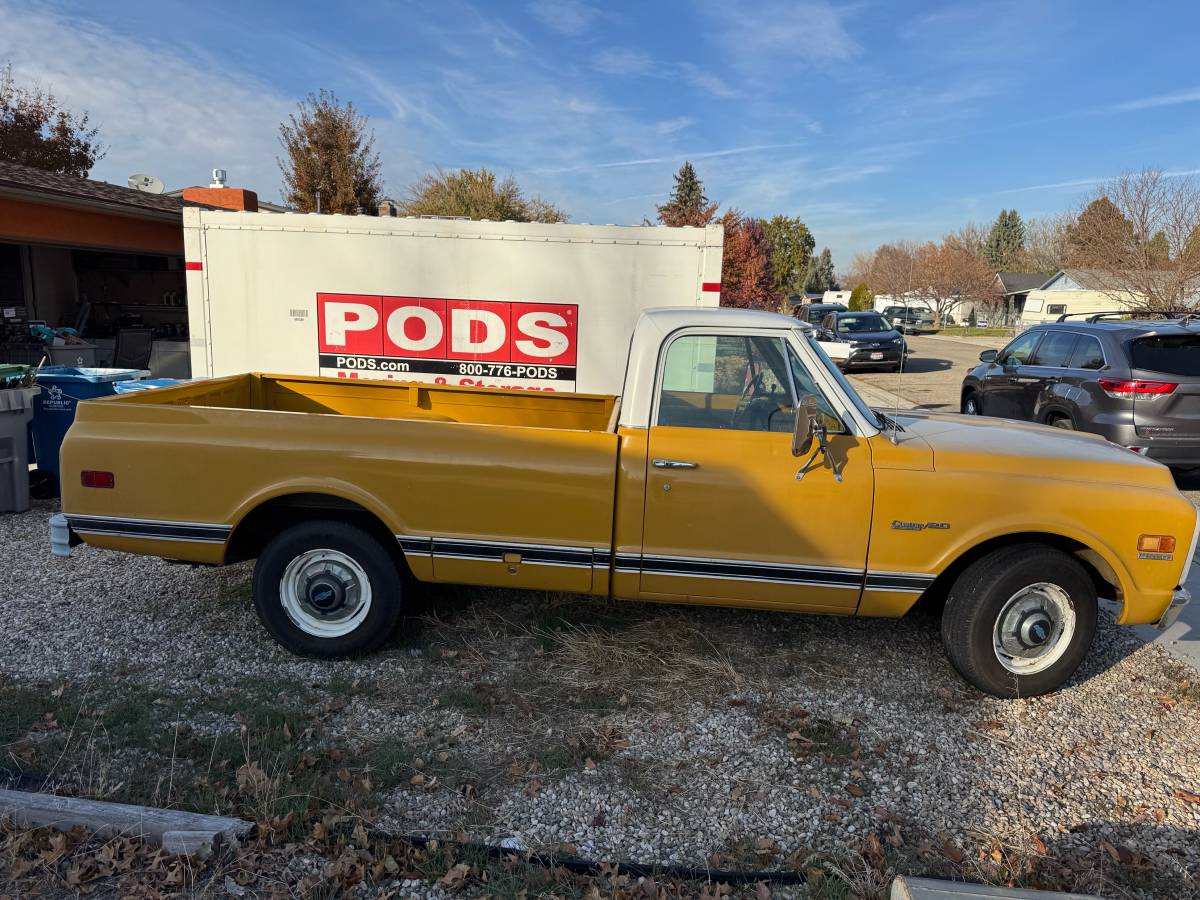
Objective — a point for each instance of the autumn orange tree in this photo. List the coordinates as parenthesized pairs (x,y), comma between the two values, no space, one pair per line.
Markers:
(36,131)
(330,155)
(747,276)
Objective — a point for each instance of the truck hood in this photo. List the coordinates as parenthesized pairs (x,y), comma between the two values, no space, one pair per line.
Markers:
(980,444)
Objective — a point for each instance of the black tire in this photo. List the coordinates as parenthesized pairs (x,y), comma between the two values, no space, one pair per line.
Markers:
(362,549)
(1061,421)
(982,592)
(970,404)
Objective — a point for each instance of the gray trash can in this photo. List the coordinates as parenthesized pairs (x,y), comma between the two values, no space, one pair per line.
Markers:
(16,406)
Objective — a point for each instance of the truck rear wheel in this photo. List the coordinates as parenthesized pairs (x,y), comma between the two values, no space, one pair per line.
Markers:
(327,589)
(1019,621)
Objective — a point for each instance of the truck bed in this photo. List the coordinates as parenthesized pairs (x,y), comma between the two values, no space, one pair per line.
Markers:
(198,467)
(390,400)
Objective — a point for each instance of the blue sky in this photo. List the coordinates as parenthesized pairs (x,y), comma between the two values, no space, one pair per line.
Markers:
(870,120)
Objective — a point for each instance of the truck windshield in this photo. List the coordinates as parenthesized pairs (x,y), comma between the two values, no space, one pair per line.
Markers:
(836,374)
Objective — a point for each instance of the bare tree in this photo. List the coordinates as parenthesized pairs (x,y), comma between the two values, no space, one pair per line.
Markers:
(1139,234)
(974,237)
(949,273)
(1047,248)
(890,270)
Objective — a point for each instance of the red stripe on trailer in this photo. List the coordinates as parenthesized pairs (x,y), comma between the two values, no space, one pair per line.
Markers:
(193,266)
(711,286)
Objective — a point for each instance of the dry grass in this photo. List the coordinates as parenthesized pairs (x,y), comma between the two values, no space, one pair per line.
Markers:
(657,662)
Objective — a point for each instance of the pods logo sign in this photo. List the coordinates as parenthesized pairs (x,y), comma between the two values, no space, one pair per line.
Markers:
(390,336)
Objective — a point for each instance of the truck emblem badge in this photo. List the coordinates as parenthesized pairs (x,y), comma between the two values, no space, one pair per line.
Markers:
(918,526)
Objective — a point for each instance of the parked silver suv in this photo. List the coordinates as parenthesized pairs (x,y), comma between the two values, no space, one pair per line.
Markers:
(1134,381)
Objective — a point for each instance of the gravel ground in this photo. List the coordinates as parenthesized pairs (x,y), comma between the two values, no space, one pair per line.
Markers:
(656,734)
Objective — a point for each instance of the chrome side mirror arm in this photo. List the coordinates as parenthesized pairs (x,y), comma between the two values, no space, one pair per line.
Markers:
(821,433)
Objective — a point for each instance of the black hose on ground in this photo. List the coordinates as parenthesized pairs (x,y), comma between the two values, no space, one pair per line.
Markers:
(24,781)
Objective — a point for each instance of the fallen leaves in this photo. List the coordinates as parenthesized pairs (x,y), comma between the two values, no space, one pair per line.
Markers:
(1186,796)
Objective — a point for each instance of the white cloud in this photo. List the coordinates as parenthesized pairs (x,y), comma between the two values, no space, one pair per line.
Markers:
(564,16)
(623,61)
(670,126)
(157,111)
(631,62)
(1173,99)
(1089,182)
(780,32)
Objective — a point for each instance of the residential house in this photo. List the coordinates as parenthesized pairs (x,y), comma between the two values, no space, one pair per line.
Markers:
(1075,292)
(1014,288)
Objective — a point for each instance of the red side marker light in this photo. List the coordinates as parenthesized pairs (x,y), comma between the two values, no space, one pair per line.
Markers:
(96,479)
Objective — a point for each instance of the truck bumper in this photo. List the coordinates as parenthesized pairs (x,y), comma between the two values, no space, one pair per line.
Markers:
(1181,598)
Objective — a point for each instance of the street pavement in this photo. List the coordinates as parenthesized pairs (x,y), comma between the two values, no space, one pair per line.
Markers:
(932,379)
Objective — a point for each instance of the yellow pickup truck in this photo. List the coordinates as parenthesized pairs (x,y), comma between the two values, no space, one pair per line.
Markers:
(739,468)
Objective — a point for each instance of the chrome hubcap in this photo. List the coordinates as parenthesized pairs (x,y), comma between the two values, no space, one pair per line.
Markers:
(1034,628)
(325,593)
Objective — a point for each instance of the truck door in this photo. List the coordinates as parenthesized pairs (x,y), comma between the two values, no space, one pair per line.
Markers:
(728,518)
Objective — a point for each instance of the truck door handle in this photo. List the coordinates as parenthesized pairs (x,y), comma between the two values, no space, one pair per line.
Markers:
(674,464)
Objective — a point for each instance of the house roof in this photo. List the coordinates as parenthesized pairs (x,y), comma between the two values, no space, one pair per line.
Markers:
(1020,282)
(27,182)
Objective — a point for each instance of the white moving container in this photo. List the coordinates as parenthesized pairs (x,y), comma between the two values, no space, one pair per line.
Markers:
(494,304)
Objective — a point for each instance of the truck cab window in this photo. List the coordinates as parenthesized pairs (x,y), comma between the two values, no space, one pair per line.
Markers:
(737,382)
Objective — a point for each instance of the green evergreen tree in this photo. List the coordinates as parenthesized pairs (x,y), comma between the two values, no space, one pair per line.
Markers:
(1005,241)
(861,298)
(1101,237)
(687,204)
(820,277)
(792,245)
(1159,248)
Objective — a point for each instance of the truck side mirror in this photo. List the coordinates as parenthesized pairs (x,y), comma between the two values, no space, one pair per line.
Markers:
(806,424)
(988,356)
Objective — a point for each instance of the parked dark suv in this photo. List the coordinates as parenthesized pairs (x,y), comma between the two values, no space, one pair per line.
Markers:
(870,340)
(1134,381)
(910,320)
(814,313)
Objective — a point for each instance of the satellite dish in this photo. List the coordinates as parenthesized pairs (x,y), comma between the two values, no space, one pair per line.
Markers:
(147,184)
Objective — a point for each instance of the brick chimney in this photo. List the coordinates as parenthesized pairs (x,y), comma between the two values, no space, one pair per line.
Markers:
(222,197)
(388,208)
(238,199)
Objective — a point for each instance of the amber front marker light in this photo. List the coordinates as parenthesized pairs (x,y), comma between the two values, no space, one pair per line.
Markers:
(96,479)
(1156,543)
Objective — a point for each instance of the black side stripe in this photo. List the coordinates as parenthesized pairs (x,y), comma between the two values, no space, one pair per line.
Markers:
(739,570)
(899,581)
(494,551)
(634,563)
(143,528)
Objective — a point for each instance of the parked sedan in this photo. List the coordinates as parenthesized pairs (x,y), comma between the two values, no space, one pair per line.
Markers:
(869,340)
(1134,382)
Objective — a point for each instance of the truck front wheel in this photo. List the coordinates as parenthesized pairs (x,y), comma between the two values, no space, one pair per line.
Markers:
(1019,621)
(327,589)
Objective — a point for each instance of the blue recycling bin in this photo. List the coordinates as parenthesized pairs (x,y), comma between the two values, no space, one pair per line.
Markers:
(62,387)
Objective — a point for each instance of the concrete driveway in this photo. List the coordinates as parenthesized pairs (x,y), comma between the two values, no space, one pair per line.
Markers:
(932,379)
